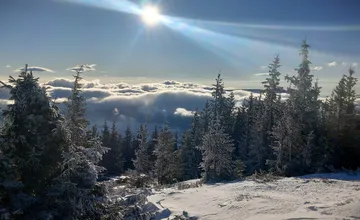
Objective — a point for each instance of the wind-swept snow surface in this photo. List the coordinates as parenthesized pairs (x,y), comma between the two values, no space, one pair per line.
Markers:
(335,196)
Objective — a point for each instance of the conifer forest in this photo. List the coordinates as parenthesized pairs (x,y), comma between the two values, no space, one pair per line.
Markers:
(55,164)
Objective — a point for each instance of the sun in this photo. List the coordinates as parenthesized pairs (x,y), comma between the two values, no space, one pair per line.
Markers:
(150,15)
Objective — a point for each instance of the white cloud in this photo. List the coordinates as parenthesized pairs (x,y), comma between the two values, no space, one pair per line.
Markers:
(263,67)
(116,111)
(8,66)
(34,69)
(82,68)
(261,74)
(332,64)
(317,68)
(59,82)
(355,64)
(183,112)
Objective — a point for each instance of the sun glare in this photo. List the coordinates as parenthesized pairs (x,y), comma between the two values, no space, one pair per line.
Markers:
(150,15)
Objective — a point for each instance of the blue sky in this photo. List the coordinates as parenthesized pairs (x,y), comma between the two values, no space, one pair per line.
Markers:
(202,37)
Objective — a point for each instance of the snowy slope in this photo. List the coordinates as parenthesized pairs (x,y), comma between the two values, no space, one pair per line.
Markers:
(335,196)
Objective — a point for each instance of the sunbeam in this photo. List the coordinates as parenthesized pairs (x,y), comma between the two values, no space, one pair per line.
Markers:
(229,47)
(236,43)
(114,5)
(286,27)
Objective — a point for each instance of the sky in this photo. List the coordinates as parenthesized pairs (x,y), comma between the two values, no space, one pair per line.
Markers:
(193,42)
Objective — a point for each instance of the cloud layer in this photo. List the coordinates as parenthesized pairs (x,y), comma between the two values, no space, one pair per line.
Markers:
(34,69)
(130,104)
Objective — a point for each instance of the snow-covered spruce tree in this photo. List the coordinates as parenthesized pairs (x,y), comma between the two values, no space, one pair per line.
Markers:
(219,101)
(248,139)
(342,100)
(286,133)
(221,106)
(266,114)
(217,149)
(167,165)
(76,109)
(72,196)
(30,147)
(142,161)
(271,99)
(190,154)
(342,123)
(326,132)
(302,112)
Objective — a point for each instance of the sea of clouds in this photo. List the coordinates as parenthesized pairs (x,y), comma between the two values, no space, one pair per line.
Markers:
(131,104)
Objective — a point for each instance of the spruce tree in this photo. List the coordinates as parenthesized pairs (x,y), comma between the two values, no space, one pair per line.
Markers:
(222,107)
(218,94)
(32,138)
(257,140)
(152,144)
(302,112)
(249,135)
(72,193)
(229,113)
(267,112)
(239,134)
(205,117)
(105,140)
(342,123)
(272,87)
(191,156)
(217,149)
(342,100)
(116,160)
(167,165)
(142,161)
(76,108)
(129,151)
(286,133)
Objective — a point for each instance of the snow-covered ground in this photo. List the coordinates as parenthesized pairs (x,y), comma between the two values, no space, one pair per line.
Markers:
(327,196)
